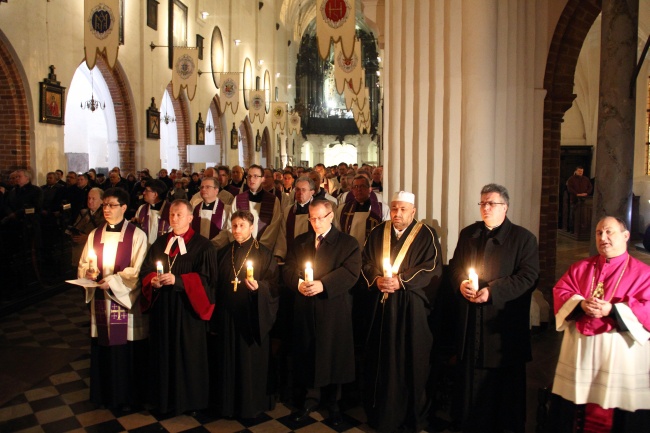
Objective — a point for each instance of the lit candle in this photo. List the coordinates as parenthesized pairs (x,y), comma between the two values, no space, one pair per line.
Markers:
(473,277)
(249,271)
(388,269)
(92,260)
(159,268)
(309,273)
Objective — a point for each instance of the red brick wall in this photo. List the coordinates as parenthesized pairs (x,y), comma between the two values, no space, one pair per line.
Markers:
(570,32)
(124,113)
(15,146)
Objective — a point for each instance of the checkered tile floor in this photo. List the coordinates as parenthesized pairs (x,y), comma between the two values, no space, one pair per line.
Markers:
(60,402)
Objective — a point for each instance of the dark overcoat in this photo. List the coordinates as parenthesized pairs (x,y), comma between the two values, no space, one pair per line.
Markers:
(509,265)
(323,344)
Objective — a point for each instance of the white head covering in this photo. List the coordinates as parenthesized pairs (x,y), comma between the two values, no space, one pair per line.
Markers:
(408,197)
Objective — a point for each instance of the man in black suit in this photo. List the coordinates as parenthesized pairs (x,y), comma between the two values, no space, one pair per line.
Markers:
(323,344)
(494,339)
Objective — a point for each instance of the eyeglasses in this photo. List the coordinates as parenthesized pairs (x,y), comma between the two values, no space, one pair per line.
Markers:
(489,204)
(111,205)
(319,219)
(207,186)
(255,176)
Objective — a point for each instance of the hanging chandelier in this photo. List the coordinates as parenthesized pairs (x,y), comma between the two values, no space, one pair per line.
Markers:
(209,127)
(92,104)
(167,118)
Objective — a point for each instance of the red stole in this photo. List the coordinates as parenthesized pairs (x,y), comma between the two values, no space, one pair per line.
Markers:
(266,210)
(216,221)
(111,319)
(194,288)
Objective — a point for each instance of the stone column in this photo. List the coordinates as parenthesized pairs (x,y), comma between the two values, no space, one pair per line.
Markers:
(616,111)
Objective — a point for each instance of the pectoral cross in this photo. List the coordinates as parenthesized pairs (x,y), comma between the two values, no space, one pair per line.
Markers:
(235,282)
(600,290)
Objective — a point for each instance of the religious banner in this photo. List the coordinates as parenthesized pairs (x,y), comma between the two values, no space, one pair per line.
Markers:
(348,70)
(350,95)
(335,20)
(101,30)
(184,71)
(258,105)
(229,86)
(294,123)
(279,115)
(360,103)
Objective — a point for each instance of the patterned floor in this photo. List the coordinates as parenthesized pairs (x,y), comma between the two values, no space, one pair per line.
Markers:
(59,403)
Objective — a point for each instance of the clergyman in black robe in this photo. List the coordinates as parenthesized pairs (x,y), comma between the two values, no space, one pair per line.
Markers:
(244,313)
(397,363)
(180,302)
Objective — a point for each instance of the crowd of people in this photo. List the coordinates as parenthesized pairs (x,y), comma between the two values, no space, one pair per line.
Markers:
(220,290)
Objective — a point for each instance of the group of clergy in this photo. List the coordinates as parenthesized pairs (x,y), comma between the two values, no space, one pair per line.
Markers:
(184,298)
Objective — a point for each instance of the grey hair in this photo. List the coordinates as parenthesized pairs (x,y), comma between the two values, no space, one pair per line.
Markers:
(500,189)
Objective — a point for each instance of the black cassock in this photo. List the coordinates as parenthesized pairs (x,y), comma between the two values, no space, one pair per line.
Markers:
(179,314)
(241,323)
(399,343)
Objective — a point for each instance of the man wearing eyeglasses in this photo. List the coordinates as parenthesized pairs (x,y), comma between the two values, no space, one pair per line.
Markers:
(265,207)
(493,318)
(212,215)
(322,343)
(402,267)
(112,256)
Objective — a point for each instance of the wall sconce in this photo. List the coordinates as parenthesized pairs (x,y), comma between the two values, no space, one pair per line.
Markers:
(200,131)
(234,137)
(260,62)
(277,75)
(204,14)
(237,42)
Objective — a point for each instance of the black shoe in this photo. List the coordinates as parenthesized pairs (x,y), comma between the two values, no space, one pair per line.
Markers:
(303,413)
(336,419)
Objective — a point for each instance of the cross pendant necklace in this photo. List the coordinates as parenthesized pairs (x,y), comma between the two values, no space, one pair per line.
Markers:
(235,282)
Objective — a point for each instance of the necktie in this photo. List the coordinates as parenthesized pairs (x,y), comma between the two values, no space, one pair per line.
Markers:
(320,241)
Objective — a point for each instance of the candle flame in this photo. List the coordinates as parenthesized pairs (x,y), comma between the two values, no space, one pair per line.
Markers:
(308,265)
(249,263)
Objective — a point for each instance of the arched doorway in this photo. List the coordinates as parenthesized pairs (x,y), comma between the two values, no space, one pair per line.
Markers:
(214,128)
(179,136)
(90,138)
(570,32)
(267,146)
(247,144)
(15,125)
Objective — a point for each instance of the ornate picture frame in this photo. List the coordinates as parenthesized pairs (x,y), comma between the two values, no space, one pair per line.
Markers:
(177,28)
(52,100)
(153,121)
(152,14)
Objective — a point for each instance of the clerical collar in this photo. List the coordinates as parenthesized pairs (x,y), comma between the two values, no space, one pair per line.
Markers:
(156,206)
(363,207)
(115,227)
(255,197)
(208,206)
(241,244)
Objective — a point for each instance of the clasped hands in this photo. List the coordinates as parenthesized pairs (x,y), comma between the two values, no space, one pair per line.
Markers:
(160,280)
(472,295)
(388,284)
(311,288)
(595,307)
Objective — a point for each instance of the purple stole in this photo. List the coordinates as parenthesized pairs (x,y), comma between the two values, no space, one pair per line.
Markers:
(163,224)
(266,211)
(111,319)
(216,222)
(232,189)
(347,214)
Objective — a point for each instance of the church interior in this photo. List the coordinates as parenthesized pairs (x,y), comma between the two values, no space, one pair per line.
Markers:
(459,94)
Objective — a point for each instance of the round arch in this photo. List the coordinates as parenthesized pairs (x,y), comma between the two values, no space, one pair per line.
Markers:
(181,110)
(267,145)
(16,123)
(218,121)
(570,32)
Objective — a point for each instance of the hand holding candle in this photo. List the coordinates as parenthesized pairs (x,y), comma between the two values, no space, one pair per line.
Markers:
(159,268)
(388,269)
(473,277)
(309,273)
(92,263)
(249,271)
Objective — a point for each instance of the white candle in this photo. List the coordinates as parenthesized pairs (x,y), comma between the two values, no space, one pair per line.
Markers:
(92,260)
(309,272)
(159,268)
(249,270)
(473,277)
(388,269)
